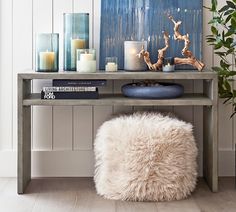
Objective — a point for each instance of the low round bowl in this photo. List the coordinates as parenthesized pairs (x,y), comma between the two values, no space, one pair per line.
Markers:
(162,91)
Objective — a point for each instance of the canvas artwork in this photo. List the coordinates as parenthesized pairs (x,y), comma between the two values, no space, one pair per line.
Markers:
(137,20)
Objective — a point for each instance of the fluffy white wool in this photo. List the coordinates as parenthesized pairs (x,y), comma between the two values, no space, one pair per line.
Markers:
(145,157)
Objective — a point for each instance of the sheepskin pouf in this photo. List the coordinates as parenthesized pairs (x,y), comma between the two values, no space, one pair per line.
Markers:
(145,157)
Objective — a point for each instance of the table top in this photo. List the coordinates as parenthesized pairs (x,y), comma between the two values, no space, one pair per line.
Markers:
(119,75)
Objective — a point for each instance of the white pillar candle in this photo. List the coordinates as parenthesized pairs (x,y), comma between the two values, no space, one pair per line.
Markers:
(46,60)
(86,66)
(131,61)
(111,67)
(86,62)
(86,57)
(76,44)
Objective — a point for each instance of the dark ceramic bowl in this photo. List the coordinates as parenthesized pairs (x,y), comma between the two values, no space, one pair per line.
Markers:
(162,91)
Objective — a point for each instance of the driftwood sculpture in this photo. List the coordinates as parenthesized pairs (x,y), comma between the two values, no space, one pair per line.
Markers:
(161,53)
(189,57)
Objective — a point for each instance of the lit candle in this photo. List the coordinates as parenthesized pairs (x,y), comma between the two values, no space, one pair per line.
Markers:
(86,57)
(46,60)
(168,68)
(168,64)
(111,67)
(76,44)
(86,63)
(132,62)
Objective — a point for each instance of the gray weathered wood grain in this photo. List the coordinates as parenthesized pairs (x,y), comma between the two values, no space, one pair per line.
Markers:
(210,130)
(121,75)
(24,136)
(118,99)
(208,99)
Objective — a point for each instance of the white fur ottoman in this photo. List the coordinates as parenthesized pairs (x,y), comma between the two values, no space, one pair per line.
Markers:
(145,157)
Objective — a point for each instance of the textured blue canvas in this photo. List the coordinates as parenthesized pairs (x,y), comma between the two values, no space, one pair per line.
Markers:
(145,20)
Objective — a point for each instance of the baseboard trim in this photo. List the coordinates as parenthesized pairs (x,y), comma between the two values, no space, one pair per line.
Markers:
(81,163)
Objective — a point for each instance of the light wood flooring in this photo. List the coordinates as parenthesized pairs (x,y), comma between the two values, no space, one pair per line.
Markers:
(78,194)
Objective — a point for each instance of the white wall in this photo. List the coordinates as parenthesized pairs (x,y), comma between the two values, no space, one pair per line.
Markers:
(62,137)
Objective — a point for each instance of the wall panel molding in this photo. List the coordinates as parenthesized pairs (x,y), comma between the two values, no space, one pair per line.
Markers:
(63,136)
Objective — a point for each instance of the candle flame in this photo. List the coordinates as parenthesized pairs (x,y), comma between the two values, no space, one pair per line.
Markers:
(133,51)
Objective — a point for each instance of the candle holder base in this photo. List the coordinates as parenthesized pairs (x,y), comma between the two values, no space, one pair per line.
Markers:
(46,71)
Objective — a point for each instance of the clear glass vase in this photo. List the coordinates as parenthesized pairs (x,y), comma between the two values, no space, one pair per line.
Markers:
(86,60)
(76,36)
(47,52)
(111,64)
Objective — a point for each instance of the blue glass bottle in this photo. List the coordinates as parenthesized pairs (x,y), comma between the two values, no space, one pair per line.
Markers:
(76,36)
(47,52)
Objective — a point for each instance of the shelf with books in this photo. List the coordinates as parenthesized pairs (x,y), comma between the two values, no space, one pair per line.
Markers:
(118,99)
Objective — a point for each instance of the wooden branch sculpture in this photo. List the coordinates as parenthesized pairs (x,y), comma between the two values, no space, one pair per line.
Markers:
(190,59)
(161,53)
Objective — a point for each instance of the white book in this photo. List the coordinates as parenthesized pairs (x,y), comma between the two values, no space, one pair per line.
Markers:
(68,89)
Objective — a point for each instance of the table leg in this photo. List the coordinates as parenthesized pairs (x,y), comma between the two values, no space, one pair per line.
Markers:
(24,138)
(210,142)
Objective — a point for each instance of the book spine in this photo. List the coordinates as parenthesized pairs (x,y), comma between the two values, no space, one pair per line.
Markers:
(68,89)
(69,95)
(86,83)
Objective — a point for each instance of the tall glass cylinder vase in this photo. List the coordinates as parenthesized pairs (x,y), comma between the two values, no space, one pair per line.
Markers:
(76,36)
(47,52)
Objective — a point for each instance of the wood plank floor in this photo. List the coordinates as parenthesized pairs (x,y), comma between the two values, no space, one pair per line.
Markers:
(78,194)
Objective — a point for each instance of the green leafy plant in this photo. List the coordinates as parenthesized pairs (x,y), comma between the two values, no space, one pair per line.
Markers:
(223,39)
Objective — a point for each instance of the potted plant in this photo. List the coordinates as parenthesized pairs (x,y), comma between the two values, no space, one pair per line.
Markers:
(223,39)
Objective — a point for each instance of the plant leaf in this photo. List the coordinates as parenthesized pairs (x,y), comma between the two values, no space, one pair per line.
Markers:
(233,22)
(213,5)
(217,69)
(218,45)
(227,86)
(232,73)
(224,8)
(231,4)
(228,18)
(224,65)
(229,12)
(214,30)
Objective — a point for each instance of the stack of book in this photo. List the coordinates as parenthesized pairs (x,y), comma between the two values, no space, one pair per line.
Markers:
(72,89)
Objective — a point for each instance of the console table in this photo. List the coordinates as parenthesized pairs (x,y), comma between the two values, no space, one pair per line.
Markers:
(208,99)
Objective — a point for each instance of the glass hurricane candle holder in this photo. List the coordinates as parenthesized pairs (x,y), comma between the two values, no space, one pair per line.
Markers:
(76,36)
(111,64)
(47,52)
(86,60)
(132,61)
(168,64)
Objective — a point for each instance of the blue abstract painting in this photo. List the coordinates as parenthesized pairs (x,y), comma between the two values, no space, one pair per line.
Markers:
(146,20)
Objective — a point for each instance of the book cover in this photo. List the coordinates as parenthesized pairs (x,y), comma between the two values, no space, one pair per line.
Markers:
(68,89)
(77,83)
(70,95)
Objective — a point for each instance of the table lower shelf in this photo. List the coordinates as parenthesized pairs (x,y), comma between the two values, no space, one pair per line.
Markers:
(118,99)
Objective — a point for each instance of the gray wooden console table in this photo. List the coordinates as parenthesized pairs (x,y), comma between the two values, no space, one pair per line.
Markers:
(208,99)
